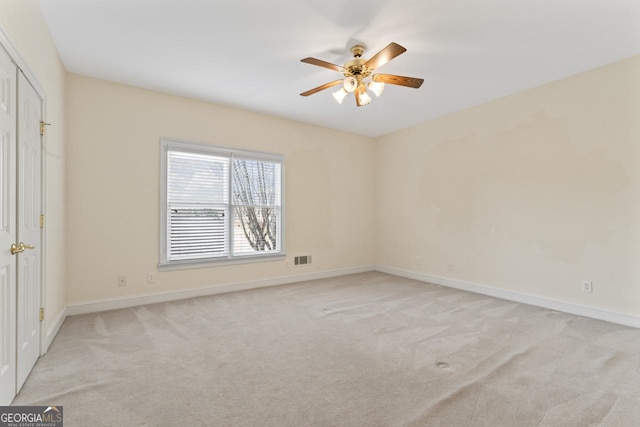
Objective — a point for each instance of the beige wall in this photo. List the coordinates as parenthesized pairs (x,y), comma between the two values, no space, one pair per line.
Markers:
(531,193)
(24,23)
(113,188)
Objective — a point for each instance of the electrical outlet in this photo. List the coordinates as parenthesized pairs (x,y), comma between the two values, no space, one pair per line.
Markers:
(587,286)
(418,260)
(151,277)
(122,280)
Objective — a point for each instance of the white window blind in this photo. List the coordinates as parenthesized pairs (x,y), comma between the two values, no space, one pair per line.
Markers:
(219,204)
(197,194)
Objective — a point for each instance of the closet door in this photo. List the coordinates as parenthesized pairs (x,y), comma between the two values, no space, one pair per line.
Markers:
(29,208)
(8,120)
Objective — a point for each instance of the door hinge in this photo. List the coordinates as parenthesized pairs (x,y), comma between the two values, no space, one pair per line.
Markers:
(41,314)
(41,221)
(43,127)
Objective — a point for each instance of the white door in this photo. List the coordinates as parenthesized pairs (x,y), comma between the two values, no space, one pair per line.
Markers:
(7,228)
(29,200)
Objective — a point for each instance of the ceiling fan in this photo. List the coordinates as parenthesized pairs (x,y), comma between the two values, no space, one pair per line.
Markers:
(358,69)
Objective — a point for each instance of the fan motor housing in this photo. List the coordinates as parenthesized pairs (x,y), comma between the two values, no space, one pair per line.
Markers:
(356,67)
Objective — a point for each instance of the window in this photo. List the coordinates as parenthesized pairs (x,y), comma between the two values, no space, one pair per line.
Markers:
(219,204)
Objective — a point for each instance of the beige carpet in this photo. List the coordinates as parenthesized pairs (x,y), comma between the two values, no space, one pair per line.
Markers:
(361,350)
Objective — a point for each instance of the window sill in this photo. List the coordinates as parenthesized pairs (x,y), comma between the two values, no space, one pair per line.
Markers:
(207,263)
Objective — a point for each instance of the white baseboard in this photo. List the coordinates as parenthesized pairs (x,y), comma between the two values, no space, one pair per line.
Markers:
(579,310)
(132,301)
(53,329)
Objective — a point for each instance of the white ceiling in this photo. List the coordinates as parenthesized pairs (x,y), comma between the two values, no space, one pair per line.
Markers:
(246,53)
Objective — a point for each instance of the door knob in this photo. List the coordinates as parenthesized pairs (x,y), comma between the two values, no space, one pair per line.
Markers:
(20,248)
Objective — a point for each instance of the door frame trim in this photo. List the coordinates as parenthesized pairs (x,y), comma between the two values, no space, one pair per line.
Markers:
(14,54)
(10,48)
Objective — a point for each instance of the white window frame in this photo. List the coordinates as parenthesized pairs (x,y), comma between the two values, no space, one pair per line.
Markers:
(167,144)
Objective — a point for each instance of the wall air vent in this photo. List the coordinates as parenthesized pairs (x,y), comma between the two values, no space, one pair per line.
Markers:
(302,260)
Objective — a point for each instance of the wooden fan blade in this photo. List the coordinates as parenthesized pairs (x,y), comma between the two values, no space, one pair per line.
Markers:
(385,55)
(398,80)
(321,63)
(319,88)
(357,94)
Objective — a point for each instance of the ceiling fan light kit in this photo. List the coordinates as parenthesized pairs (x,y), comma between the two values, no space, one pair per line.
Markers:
(376,87)
(350,84)
(358,70)
(362,97)
(340,95)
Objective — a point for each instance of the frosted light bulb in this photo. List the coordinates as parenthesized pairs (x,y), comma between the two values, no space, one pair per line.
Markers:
(339,95)
(350,84)
(376,87)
